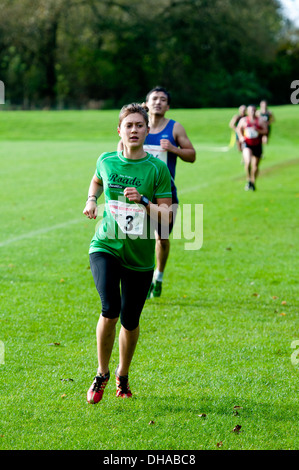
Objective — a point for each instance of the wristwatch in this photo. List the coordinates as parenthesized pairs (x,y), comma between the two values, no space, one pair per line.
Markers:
(144,201)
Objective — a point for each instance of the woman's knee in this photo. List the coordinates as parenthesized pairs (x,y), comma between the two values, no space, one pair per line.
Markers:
(130,322)
(108,323)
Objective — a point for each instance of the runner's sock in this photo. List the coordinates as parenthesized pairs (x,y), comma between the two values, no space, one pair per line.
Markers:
(158,275)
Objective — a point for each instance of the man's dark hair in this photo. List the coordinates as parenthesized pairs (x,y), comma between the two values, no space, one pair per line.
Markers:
(159,88)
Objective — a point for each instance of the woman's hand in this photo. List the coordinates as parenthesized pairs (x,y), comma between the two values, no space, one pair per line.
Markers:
(91,209)
(160,212)
(132,194)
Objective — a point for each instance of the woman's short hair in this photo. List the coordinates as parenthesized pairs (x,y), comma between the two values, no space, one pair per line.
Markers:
(132,109)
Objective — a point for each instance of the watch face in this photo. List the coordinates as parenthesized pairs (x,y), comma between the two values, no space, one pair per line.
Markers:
(144,200)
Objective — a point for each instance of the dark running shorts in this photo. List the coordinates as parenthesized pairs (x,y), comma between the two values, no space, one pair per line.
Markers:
(122,291)
(257,150)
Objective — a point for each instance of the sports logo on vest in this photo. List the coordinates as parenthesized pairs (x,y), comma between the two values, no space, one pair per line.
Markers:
(128,180)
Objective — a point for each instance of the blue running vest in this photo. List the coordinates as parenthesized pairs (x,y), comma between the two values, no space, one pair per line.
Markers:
(152,145)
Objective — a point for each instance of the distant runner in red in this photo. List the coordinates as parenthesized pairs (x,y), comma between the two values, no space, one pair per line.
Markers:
(250,132)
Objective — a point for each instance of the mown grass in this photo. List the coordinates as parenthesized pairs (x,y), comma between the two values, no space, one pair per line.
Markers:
(219,337)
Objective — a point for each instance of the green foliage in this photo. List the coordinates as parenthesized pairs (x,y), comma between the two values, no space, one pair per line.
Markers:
(105,53)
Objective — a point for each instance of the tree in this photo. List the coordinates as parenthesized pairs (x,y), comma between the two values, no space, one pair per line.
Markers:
(62,53)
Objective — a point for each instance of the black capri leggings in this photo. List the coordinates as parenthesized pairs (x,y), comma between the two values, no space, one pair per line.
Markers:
(109,275)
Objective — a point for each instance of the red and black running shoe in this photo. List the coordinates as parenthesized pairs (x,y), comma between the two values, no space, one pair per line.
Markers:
(122,386)
(95,392)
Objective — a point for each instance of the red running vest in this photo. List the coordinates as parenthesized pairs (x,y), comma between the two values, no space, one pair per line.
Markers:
(251,134)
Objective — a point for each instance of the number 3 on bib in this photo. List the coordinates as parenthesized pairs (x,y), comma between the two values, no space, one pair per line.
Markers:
(129,217)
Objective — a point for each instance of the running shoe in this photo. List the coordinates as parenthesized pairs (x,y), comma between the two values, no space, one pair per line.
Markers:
(252,187)
(248,186)
(157,289)
(122,386)
(95,392)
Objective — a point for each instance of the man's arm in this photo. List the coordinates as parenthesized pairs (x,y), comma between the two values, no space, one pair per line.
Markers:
(185,149)
(233,121)
(271,118)
(263,127)
(239,130)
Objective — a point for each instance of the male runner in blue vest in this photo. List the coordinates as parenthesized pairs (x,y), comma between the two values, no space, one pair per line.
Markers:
(167,140)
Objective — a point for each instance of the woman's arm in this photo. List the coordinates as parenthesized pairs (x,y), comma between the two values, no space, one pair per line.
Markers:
(160,212)
(94,192)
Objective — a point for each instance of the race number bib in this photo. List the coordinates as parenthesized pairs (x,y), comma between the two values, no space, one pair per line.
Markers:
(157,152)
(251,133)
(129,217)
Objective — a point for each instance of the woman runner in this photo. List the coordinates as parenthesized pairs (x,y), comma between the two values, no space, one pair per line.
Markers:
(137,190)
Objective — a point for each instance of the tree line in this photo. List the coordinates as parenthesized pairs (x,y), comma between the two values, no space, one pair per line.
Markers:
(104,53)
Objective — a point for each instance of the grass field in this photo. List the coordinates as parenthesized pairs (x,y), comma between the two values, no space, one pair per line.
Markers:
(220,336)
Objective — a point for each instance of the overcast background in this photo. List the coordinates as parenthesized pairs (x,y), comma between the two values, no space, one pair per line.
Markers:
(291,9)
